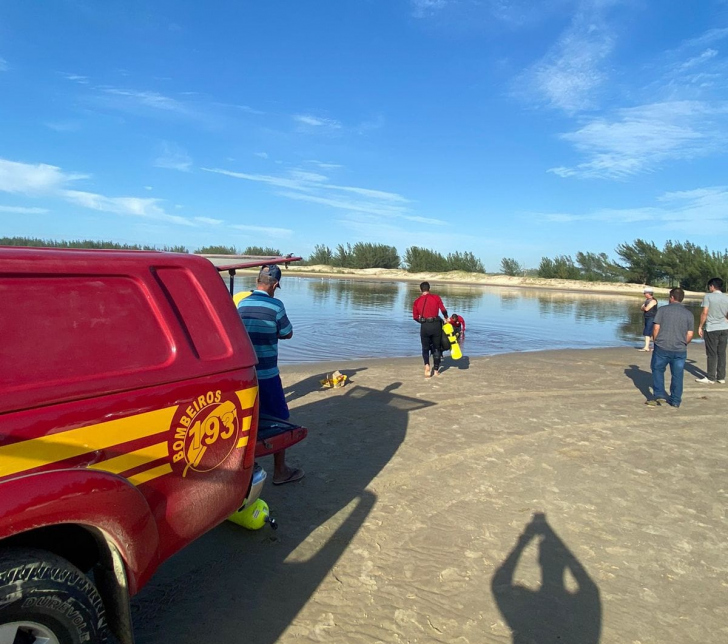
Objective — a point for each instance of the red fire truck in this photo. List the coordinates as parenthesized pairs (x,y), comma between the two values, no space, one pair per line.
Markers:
(128,423)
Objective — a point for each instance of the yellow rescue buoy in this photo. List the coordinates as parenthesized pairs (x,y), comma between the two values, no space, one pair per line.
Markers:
(254,517)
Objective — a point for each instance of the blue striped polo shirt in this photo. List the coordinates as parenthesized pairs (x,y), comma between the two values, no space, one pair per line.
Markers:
(266,321)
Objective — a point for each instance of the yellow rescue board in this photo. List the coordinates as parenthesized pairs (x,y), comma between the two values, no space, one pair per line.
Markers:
(455,351)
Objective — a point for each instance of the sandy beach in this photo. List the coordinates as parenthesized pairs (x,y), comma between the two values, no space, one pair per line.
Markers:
(461,277)
(415,522)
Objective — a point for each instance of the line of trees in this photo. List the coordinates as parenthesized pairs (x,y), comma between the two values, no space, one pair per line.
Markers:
(84,243)
(681,264)
(416,259)
(94,244)
(231,250)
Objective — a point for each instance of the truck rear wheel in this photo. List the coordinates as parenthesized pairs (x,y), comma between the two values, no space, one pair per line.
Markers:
(46,600)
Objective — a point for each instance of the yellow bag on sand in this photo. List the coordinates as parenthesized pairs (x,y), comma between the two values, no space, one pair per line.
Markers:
(336,379)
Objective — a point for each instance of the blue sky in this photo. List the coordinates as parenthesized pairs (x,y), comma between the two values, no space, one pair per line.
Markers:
(506,128)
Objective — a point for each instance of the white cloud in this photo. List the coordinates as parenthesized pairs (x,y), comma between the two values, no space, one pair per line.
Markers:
(125,99)
(569,76)
(3,65)
(280,182)
(708,38)
(303,176)
(265,230)
(315,121)
(134,206)
(173,157)
(208,221)
(76,78)
(33,179)
(262,155)
(638,139)
(313,187)
(423,8)
(703,210)
(46,180)
(343,204)
(22,210)
(707,55)
(324,166)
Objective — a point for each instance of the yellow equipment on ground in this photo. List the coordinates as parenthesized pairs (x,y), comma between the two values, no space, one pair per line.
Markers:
(254,517)
(455,351)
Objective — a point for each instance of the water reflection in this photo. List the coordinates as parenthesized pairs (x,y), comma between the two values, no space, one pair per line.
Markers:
(344,319)
(509,300)
(357,294)
(457,298)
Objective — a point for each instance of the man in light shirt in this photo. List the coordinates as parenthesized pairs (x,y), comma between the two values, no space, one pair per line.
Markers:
(713,328)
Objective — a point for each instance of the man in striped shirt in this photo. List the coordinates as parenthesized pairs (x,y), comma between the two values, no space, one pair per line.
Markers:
(265,319)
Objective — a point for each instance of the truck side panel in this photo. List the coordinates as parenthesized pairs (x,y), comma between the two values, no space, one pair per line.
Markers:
(184,448)
(129,366)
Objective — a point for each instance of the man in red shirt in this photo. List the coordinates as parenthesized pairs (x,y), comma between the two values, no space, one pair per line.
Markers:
(426,310)
(458,326)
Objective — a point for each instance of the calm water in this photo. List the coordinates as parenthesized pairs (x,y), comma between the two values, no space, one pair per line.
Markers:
(337,319)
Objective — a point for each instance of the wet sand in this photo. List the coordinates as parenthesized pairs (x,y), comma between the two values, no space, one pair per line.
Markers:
(415,522)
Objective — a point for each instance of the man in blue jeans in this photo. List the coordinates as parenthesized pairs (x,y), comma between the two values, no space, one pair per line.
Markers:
(672,333)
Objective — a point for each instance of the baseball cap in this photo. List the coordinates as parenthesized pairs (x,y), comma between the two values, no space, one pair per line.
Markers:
(645,290)
(272,271)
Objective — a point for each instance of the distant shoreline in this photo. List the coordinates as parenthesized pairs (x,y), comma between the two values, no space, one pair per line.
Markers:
(464,278)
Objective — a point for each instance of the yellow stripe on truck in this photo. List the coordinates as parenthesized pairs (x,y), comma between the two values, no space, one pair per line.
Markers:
(247,422)
(54,448)
(154,473)
(247,398)
(58,447)
(131,460)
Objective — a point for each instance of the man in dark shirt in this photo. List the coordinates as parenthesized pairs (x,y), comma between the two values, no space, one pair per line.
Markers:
(426,310)
(672,333)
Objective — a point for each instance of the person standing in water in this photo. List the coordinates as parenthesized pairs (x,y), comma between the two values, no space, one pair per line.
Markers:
(649,310)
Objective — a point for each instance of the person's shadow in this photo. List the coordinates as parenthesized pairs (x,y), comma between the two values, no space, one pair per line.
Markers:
(641,379)
(693,370)
(553,613)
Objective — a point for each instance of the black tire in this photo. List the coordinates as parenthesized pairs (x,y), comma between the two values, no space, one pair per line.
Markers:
(39,587)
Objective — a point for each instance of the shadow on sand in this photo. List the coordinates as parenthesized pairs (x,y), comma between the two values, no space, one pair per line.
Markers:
(553,613)
(641,379)
(232,585)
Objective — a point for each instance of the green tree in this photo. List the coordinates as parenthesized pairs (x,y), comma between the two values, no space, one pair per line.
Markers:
(84,243)
(368,255)
(419,260)
(466,261)
(597,267)
(560,267)
(321,255)
(510,266)
(344,256)
(261,251)
(641,261)
(216,250)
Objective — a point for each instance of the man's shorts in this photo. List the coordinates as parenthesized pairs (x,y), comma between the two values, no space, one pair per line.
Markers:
(649,323)
(272,399)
